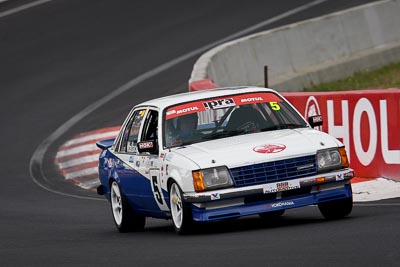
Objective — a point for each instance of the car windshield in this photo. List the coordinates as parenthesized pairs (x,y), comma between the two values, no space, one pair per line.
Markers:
(209,119)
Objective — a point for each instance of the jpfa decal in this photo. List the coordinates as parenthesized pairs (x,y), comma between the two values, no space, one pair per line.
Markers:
(269,148)
(220,103)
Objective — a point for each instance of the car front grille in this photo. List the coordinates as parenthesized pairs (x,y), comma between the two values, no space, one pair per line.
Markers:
(274,171)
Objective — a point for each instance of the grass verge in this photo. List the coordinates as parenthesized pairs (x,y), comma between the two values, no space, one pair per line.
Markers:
(382,78)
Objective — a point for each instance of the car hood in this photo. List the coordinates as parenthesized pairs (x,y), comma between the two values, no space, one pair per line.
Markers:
(258,147)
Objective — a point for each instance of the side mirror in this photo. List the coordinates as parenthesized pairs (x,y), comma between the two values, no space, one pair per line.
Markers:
(315,121)
(148,146)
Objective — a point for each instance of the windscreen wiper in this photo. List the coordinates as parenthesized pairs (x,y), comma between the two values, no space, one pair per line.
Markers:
(222,134)
(291,126)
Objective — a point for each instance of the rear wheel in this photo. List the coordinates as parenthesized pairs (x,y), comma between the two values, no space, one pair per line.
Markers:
(125,219)
(336,209)
(180,211)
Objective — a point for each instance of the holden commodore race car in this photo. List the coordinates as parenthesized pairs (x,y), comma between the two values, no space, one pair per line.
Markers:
(217,154)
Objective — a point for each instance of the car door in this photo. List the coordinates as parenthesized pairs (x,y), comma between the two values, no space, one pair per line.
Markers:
(132,182)
(151,161)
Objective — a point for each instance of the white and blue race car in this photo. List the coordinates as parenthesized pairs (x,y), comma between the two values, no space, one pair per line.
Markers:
(218,154)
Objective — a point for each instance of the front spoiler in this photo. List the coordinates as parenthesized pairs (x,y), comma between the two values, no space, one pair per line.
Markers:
(203,215)
(330,177)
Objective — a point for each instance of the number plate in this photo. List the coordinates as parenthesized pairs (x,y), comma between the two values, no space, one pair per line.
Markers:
(281,186)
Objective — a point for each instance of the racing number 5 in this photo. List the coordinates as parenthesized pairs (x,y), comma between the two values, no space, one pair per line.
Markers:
(157,192)
(274,105)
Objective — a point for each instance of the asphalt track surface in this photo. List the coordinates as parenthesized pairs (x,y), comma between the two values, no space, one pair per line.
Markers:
(60,57)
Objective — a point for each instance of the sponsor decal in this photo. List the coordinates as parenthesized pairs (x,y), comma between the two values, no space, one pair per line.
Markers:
(144,145)
(215,196)
(281,186)
(171,112)
(131,148)
(349,174)
(131,159)
(176,143)
(312,109)
(220,103)
(269,148)
(282,204)
(305,167)
(316,119)
(251,99)
(186,110)
(162,170)
(340,177)
(110,163)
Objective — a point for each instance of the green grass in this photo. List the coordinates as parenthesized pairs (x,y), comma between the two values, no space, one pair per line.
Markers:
(382,78)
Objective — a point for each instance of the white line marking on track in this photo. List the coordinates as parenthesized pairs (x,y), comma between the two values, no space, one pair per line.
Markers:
(23,7)
(38,155)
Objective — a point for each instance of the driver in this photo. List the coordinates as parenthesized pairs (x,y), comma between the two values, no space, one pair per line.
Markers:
(187,124)
(184,132)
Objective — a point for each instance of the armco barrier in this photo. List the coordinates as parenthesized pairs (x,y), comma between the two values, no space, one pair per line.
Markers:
(367,122)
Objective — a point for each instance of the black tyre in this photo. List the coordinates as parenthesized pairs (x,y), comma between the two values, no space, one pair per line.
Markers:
(181,212)
(336,209)
(125,219)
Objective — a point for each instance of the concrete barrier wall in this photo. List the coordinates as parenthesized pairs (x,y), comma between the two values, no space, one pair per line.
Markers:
(309,52)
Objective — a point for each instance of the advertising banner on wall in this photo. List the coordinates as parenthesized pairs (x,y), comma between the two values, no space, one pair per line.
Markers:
(367,122)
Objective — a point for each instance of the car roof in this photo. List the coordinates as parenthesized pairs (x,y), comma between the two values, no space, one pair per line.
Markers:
(167,101)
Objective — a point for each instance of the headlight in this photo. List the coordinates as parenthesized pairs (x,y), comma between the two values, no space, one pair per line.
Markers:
(331,159)
(212,178)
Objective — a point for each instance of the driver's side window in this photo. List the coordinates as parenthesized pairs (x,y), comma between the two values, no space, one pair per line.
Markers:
(131,134)
(150,128)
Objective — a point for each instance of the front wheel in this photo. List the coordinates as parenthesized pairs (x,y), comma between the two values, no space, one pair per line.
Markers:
(336,209)
(125,219)
(180,211)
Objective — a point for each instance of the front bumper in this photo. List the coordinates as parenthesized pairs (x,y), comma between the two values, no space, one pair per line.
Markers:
(236,202)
